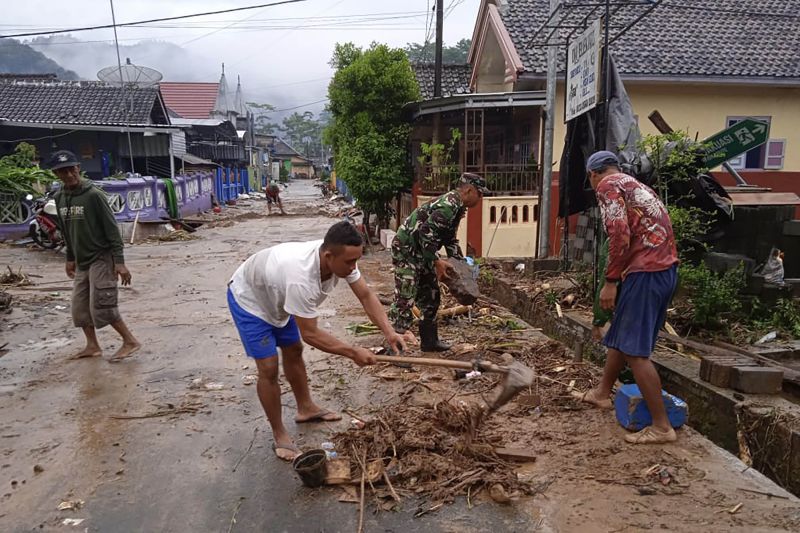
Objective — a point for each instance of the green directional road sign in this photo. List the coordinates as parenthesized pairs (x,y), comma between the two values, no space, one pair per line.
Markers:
(736,140)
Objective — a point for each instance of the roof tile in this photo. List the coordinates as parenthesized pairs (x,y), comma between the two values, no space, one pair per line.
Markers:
(66,102)
(455,79)
(708,38)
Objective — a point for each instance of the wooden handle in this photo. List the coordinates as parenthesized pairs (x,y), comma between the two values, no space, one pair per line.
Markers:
(445,363)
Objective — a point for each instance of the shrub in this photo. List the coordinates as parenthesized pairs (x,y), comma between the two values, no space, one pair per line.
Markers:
(712,296)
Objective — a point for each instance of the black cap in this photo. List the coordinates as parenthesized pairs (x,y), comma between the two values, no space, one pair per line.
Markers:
(63,159)
(476,181)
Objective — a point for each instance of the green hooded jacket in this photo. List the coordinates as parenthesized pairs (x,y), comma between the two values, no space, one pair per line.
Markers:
(88,225)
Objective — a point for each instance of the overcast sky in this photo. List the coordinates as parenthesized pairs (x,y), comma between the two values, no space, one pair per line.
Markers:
(280,52)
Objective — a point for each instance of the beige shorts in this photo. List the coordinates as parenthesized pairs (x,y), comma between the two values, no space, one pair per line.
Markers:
(94,295)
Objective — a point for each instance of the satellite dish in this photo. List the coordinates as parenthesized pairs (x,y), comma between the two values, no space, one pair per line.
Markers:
(130,74)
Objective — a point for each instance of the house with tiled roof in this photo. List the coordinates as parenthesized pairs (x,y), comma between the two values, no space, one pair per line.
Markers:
(702,65)
(218,126)
(284,154)
(192,100)
(93,120)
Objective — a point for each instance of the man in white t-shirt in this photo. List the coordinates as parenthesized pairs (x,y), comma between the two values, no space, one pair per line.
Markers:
(273,298)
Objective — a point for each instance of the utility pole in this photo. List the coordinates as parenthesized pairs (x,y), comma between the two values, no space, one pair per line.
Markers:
(547,153)
(437,68)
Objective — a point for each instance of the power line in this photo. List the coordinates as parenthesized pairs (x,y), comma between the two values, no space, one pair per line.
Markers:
(428,33)
(291,21)
(149,21)
(427,23)
(219,29)
(288,31)
(261,87)
(355,17)
(299,106)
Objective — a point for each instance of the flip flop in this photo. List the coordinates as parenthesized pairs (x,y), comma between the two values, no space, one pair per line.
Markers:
(600,404)
(320,417)
(651,435)
(291,448)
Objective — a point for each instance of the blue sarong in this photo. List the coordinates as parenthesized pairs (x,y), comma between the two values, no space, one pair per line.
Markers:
(641,311)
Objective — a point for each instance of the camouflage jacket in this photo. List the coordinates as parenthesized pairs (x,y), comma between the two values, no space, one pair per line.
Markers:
(433,225)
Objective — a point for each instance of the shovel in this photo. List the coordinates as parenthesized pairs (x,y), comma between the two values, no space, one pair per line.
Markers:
(516,376)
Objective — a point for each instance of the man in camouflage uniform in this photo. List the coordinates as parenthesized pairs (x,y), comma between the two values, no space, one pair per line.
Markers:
(417,266)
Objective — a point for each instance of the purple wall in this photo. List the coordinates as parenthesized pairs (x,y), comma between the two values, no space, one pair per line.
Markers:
(144,195)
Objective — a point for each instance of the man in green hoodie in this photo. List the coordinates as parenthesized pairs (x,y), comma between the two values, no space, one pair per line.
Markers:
(94,256)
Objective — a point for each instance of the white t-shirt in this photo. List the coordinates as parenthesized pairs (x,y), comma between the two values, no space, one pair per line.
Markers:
(284,280)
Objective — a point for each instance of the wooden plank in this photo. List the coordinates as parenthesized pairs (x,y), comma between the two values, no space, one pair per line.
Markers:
(699,346)
(520,455)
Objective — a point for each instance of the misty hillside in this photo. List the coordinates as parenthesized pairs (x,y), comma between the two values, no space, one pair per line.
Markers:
(19,58)
(87,58)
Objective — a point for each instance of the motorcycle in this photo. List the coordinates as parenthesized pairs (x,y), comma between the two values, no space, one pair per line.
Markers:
(44,229)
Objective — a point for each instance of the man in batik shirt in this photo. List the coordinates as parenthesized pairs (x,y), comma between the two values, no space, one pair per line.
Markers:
(640,278)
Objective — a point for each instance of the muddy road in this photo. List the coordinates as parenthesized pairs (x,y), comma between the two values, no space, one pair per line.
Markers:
(174,440)
(209,456)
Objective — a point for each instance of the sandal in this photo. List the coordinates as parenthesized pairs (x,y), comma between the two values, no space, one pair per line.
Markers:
(290,447)
(600,404)
(325,415)
(651,435)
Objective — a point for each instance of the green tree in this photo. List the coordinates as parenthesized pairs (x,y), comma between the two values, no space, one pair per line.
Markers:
(343,55)
(304,132)
(262,118)
(426,52)
(367,130)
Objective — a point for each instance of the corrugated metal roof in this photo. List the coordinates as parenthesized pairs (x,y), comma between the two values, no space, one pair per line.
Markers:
(190,99)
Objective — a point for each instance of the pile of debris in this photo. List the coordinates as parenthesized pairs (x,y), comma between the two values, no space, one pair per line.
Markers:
(177,235)
(14,279)
(11,279)
(5,301)
(337,206)
(435,452)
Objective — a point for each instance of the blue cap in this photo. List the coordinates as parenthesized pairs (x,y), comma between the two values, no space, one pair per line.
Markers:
(600,160)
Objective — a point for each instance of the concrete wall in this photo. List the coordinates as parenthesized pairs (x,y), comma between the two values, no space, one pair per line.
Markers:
(512,236)
(510,224)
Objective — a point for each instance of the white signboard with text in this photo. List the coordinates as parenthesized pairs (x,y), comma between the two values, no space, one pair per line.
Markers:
(583,71)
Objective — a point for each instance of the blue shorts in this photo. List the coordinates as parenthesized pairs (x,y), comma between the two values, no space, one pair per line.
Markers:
(641,311)
(260,338)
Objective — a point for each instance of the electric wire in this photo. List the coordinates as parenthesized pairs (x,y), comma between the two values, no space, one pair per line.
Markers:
(149,21)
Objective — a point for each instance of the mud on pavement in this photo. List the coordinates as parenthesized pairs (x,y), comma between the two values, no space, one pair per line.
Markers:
(174,439)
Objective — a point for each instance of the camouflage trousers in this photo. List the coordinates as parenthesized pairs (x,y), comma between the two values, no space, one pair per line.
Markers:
(414,282)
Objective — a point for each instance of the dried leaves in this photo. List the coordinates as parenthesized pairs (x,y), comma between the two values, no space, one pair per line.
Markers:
(437,452)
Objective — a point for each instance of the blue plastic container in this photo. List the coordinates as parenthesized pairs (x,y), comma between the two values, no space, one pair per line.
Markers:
(632,412)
